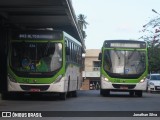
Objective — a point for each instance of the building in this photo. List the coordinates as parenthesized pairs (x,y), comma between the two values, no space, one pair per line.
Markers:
(91,73)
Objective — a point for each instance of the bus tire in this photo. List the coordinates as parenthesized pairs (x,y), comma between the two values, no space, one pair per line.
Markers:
(8,96)
(74,93)
(104,92)
(131,93)
(5,96)
(107,92)
(63,96)
(138,93)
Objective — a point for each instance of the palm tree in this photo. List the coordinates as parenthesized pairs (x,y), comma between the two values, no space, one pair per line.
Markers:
(82,22)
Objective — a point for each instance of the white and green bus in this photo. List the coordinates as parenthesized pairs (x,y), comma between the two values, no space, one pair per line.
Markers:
(124,67)
(44,61)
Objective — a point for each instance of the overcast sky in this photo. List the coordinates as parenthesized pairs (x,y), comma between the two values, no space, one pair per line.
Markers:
(114,19)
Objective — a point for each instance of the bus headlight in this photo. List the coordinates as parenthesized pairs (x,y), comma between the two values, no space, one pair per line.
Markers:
(58,78)
(11,78)
(143,80)
(104,78)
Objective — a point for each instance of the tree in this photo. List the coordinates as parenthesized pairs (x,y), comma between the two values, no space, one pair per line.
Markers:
(152,31)
(152,37)
(83,24)
(82,21)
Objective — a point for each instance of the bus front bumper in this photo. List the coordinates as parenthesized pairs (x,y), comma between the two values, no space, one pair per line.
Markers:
(21,87)
(123,86)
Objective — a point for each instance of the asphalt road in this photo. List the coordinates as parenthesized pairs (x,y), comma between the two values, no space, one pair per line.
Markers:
(89,101)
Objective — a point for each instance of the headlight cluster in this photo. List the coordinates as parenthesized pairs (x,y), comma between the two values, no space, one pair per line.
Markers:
(143,80)
(104,78)
(151,83)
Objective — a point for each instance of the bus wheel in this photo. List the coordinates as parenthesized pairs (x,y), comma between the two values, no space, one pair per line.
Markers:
(131,93)
(104,92)
(74,93)
(11,96)
(63,96)
(107,92)
(138,93)
(5,96)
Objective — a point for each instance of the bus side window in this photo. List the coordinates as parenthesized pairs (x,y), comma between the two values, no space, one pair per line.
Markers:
(66,47)
(67,51)
(80,55)
(70,49)
(76,49)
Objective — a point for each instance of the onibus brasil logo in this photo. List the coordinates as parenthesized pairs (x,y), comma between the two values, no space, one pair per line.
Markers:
(21,114)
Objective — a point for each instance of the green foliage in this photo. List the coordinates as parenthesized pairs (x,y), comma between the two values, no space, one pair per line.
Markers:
(154,58)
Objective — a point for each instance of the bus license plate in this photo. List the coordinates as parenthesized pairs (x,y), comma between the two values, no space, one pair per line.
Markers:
(34,90)
(123,87)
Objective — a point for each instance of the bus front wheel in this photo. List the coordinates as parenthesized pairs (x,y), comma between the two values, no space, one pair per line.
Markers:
(104,92)
(63,96)
(74,93)
(5,96)
(131,93)
(138,93)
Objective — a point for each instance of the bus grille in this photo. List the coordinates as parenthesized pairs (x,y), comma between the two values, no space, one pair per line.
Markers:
(30,87)
(118,86)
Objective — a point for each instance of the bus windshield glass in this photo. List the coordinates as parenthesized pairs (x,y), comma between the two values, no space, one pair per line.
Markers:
(124,63)
(36,56)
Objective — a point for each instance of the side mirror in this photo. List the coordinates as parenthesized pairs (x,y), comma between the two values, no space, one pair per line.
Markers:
(100,56)
(67,51)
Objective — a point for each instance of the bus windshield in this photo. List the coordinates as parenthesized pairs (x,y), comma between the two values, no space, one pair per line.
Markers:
(36,56)
(124,63)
